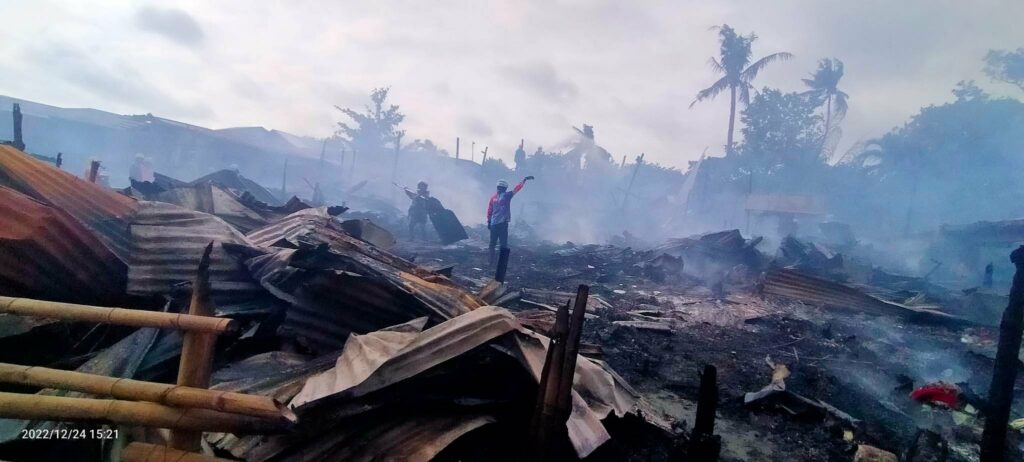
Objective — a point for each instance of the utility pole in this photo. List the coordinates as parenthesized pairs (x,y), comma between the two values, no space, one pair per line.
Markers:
(394,169)
(472,151)
(457,148)
(629,188)
(484,159)
(284,180)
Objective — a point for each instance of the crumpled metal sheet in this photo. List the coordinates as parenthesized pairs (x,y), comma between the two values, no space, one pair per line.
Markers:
(233,180)
(167,243)
(796,285)
(380,359)
(47,254)
(101,210)
(208,198)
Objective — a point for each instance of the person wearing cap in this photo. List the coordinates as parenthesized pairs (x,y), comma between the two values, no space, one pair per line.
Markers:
(499,213)
(418,209)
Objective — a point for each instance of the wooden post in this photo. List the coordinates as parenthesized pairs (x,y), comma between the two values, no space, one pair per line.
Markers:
(472,151)
(572,348)
(499,275)
(94,170)
(544,423)
(197,349)
(145,452)
(483,160)
(1004,372)
(704,444)
(19,142)
(457,148)
(137,390)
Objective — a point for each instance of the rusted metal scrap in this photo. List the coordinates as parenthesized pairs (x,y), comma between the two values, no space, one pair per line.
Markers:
(799,286)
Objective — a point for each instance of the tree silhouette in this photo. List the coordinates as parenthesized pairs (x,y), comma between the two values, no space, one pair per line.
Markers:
(824,87)
(371,131)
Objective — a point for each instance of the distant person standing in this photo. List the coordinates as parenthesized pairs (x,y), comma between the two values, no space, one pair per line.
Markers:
(141,170)
(499,213)
(418,210)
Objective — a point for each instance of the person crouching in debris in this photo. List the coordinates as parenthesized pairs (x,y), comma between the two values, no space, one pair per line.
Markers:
(418,210)
(499,214)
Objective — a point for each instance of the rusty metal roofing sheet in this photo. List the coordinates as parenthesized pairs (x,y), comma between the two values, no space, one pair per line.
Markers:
(45,253)
(101,210)
(799,286)
(167,243)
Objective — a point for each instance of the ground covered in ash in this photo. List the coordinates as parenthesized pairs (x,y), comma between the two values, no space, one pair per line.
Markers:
(660,334)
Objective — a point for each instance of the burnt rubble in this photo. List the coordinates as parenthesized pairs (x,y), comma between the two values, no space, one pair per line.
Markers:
(326,338)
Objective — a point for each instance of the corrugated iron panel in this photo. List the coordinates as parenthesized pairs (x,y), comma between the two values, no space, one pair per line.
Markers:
(205,197)
(357,287)
(47,254)
(167,243)
(795,285)
(101,210)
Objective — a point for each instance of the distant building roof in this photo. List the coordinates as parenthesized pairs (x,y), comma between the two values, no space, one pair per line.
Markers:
(785,203)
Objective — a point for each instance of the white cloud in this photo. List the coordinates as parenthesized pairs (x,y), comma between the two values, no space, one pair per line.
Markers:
(502,70)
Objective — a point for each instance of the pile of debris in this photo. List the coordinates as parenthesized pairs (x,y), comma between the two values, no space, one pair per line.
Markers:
(350,352)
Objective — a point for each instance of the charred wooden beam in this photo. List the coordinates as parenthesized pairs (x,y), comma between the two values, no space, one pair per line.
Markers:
(145,452)
(704,444)
(197,349)
(64,409)
(545,413)
(19,141)
(116,316)
(137,390)
(572,348)
(1004,372)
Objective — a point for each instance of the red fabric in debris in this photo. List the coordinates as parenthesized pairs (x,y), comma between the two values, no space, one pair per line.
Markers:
(938,393)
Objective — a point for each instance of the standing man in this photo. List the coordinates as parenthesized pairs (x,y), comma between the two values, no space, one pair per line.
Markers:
(499,213)
(418,209)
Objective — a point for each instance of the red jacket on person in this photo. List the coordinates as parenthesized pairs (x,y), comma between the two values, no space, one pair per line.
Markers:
(499,208)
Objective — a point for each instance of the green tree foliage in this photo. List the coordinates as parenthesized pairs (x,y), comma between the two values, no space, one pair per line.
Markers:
(373,130)
(956,163)
(780,129)
(824,87)
(1006,66)
(737,72)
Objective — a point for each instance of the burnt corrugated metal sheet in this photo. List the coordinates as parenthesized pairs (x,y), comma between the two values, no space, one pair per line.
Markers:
(205,197)
(796,285)
(167,243)
(234,181)
(355,287)
(47,254)
(101,210)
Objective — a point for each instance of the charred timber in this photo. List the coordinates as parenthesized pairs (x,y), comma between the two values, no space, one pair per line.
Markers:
(1004,373)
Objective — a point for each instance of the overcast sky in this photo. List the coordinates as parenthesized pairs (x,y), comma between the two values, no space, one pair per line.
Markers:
(493,72)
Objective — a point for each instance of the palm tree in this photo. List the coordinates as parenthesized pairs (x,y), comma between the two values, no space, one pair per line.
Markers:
(824,86)
(733,62)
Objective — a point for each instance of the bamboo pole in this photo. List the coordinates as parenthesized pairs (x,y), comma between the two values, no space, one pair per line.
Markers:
(65,409)
(145,452)
(117,316)
(137,390)
(196,363)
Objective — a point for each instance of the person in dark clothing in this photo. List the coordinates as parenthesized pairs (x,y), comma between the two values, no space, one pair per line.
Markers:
(418,210)
(986,282)
(499,214)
